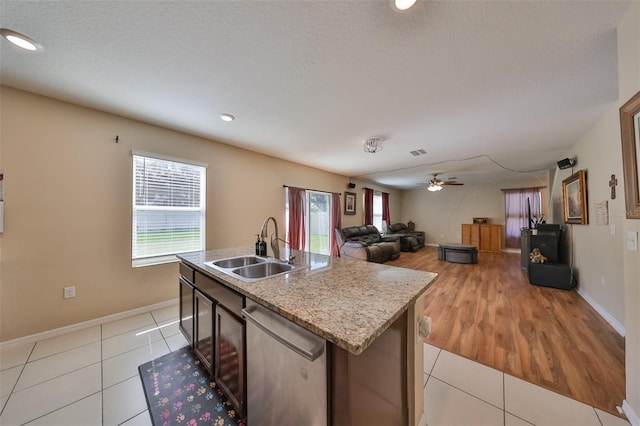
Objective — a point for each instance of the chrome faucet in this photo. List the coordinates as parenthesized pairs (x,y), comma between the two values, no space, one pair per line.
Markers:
(292,257)
(274,241)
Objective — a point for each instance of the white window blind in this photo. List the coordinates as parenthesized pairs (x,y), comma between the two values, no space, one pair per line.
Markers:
(168,207)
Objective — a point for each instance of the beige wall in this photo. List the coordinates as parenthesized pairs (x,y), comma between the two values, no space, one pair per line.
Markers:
(440,214)
(596,254)
(629,84)
(608,273)
(68,209)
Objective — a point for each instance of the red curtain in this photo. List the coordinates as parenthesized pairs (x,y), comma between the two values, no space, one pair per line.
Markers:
(297,228)
(336,223)
(368,206)
(385,210)
(516,212)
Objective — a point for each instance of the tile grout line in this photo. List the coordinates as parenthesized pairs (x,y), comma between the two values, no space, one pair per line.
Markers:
(24,365)
(466,392)
(55,377)
(60,408)
(100,362)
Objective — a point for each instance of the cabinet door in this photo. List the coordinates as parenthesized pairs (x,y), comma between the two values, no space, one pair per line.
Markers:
(186,310)
(471,234)
(230,361)
(204,325)
(496,238)
(485,237)
(466,233)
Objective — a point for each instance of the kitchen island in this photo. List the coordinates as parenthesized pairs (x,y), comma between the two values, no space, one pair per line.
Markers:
(368,314)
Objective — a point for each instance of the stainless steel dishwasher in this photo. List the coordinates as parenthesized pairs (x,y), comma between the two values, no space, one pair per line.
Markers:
(286,371)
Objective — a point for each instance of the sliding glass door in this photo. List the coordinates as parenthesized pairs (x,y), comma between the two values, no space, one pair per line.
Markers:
(318,222)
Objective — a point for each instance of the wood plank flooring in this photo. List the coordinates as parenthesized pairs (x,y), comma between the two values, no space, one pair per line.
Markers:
(488,312)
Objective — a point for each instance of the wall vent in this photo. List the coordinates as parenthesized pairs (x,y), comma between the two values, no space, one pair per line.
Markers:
(418,152)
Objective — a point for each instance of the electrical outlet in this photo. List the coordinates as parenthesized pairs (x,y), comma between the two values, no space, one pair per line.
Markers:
(69,292)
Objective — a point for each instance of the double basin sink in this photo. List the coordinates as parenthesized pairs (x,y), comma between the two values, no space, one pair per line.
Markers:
(253,268)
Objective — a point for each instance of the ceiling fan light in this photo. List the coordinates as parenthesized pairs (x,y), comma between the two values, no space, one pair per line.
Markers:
(373,144)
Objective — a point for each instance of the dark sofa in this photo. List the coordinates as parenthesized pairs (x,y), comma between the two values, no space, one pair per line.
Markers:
(409,240)
(366,243)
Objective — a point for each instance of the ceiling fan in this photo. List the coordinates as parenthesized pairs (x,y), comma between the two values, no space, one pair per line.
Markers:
(436,184)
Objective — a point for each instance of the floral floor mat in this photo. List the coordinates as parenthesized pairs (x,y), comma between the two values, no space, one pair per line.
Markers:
(179,392)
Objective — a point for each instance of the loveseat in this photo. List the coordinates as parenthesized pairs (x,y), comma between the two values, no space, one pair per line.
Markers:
(366,243)
(409,240)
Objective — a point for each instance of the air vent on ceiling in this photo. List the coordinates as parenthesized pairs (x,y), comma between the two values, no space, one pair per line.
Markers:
(418,152)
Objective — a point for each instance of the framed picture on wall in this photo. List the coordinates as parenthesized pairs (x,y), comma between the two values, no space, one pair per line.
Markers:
(574,196)
(630,132)
(349,203)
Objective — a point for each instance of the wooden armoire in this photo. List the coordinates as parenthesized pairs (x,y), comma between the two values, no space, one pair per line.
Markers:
(484,236)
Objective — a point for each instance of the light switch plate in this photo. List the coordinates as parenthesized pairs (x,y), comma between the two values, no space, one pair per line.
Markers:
(612,229)
(632,240)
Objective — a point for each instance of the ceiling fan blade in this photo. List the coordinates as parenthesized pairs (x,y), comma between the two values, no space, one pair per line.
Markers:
(451,183)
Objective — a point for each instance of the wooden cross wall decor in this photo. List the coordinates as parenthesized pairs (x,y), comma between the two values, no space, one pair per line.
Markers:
(612,183)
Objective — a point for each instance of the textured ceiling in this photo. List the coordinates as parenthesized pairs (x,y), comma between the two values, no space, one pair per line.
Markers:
(482,86)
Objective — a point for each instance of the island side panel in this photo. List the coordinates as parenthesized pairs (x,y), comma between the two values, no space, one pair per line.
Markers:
(415,364)
(372,388)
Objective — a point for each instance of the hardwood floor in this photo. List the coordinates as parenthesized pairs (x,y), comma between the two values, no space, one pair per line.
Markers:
(488,312)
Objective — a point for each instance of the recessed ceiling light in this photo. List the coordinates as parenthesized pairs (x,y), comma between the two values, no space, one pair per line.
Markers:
(20,40)
(403,4)
(227,117)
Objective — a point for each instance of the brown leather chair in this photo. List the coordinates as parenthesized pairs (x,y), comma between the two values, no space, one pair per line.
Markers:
(409,240)
(366,243)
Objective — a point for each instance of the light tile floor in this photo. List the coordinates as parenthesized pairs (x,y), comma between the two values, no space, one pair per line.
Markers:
(90,377)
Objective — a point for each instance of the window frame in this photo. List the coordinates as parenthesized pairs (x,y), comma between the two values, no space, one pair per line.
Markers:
(156,259)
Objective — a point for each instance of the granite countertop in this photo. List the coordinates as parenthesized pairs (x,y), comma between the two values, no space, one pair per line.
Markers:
(348,302)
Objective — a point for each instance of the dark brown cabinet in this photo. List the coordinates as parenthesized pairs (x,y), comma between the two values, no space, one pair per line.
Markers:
(203,344)
(211,320)
(186,303)
(525,248)
(230,349)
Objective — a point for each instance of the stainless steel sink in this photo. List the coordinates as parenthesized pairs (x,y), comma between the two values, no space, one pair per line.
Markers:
(263,270)
(253,268)
(236,262)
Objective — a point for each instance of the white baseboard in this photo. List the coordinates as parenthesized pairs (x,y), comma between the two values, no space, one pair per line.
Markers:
(631,415)
(82,325)
(603,313)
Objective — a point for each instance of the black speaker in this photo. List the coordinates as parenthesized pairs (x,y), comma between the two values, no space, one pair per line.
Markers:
(566,163)
(548,245)
(351,185)
(551,275)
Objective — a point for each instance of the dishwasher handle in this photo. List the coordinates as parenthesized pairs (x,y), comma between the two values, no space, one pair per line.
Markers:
(311,354)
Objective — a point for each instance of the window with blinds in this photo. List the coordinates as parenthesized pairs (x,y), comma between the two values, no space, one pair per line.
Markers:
(168,208)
